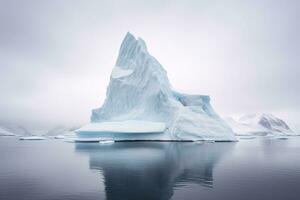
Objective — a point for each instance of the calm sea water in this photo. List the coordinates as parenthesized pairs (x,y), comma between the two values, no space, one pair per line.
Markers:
(53,169)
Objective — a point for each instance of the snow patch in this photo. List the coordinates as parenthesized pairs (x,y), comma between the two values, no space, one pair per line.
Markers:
(118,72)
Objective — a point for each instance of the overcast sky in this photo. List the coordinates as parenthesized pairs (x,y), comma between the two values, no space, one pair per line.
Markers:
(56,56)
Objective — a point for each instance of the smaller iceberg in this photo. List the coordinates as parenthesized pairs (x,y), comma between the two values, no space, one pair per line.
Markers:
(61,132)
(59,137)
(4,132)
(12,129)
(260,125)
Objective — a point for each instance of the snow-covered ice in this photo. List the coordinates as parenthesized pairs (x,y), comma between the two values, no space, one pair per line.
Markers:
(260,124)
(4,132)
(13,129)
(59,137)
(106,142)
(141,100)
(246,137)
(118,72)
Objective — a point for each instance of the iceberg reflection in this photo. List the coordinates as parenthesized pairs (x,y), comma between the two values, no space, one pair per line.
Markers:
(152,170)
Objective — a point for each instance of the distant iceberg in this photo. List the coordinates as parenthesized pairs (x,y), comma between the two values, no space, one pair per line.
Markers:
(141,104)
(13,130)
(4,132)
(259,125)
(62,132)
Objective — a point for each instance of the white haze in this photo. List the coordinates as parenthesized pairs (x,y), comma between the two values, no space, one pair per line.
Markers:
(56,56)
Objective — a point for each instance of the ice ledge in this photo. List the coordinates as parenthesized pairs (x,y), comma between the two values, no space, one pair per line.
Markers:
(128,126)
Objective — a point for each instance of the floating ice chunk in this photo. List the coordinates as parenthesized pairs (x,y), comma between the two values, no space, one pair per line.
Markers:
(32,138)
(106,141)
(59,137)
(87,140)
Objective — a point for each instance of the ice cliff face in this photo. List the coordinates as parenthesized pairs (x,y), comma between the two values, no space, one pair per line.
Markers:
(260,124)
(139,91)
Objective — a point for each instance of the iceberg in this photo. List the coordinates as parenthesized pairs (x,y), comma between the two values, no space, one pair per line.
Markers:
(141,104)
(4,132)
(61,132)
(260,125)
(13,129)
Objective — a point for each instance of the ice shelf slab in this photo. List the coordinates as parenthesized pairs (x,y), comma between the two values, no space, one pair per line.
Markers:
(129,126)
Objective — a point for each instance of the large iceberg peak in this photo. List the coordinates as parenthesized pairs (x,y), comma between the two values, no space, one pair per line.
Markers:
(135,60)
(131,49)
(140,95)
(137,83)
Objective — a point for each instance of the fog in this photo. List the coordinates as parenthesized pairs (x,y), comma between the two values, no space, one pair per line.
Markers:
(56,56)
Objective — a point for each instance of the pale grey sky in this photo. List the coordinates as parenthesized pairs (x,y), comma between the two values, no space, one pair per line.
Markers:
(56,56)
